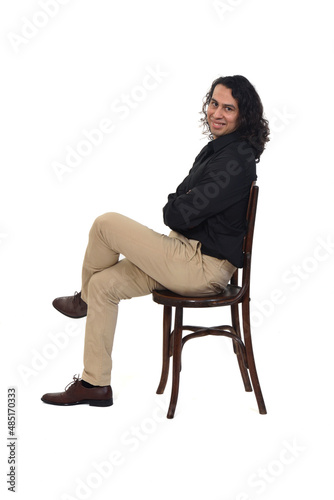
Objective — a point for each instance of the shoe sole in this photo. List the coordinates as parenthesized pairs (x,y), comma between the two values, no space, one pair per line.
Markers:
(90,402)
(69,315)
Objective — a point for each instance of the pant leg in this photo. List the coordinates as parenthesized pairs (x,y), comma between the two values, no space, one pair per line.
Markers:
(106,288)
(152,261)
(175,262)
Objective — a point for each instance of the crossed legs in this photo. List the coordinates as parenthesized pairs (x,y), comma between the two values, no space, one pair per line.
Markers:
(152,261)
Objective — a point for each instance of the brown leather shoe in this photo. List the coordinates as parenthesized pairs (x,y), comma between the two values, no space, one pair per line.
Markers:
(73,306)
(76,394)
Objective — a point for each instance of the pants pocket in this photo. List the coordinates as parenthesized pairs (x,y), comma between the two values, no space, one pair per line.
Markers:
(218,272)
(191,247)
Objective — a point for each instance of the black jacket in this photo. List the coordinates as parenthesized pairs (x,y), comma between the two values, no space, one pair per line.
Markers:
(210,204)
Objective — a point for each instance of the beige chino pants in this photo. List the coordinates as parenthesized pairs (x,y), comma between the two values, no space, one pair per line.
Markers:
(152,261)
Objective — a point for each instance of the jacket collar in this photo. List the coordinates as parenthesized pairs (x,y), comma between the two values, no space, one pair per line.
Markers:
(222,141)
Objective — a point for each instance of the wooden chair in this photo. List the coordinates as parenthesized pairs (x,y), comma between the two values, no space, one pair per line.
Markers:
(233,296)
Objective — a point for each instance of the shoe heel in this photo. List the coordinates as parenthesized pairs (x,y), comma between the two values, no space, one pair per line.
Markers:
(101,402)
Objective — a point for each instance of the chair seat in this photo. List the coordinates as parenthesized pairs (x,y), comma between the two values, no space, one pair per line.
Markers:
(169,298)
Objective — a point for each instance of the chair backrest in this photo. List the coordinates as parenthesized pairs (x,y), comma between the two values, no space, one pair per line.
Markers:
(248,238)
(250,217)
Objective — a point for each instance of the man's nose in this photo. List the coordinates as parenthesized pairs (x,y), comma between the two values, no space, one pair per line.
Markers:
(218,113)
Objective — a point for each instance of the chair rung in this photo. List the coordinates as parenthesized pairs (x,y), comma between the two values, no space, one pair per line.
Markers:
(224,331)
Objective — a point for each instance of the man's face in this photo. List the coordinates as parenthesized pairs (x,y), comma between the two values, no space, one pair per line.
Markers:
(222,112)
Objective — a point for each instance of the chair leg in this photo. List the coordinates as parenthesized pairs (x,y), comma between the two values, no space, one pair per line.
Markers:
(250,356)
(235,311)
(243,369)
(167,318)
(235,324)
(177,349)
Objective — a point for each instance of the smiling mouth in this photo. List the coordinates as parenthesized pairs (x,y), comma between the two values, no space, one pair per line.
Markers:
(217,124)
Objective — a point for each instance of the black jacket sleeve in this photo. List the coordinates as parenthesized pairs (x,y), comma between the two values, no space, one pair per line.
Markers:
(211,189)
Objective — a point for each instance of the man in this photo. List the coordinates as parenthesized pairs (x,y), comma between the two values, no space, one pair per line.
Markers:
(207,217)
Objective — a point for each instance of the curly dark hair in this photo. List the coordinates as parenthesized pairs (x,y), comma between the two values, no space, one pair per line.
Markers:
(252,125)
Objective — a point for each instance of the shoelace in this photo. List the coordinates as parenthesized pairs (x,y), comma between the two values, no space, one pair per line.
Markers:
(77,297)
(76,378)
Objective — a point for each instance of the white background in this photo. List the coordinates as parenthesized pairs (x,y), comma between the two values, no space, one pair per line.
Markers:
(61,73)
